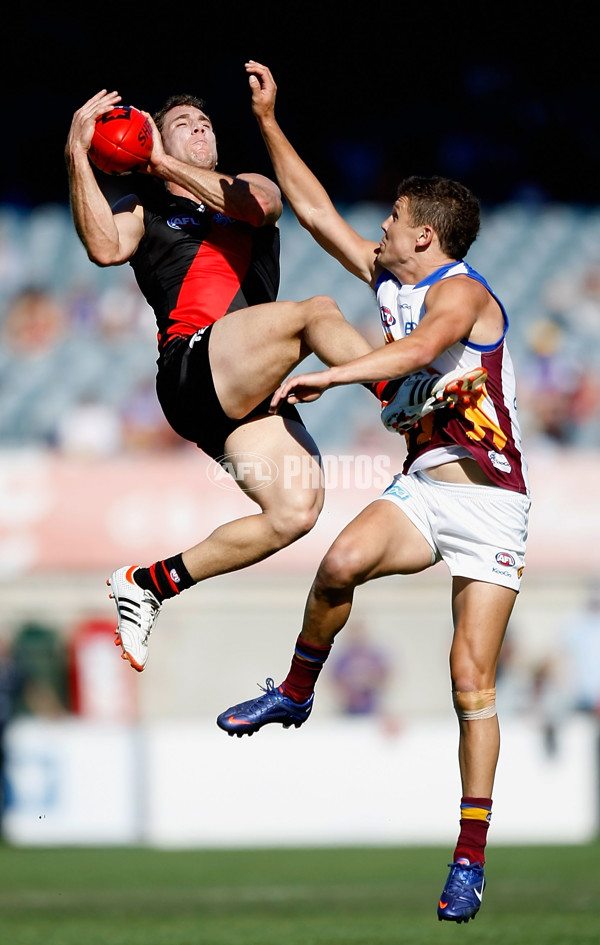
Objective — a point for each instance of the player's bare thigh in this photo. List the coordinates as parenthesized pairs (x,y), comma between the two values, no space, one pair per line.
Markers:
(277,464)
(379,542)
(253,350)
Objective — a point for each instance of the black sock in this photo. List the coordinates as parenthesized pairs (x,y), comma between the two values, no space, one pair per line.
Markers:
(165,578)
(383,390)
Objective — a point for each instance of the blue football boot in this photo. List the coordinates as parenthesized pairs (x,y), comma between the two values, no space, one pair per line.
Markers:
(273,706)
(461,898)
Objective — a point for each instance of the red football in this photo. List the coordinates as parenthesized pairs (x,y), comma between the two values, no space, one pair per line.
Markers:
(122,140)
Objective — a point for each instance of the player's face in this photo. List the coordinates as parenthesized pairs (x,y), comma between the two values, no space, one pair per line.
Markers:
(188,135)
(399,238)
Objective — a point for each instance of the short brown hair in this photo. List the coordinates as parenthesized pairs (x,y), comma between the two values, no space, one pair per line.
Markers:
(449,207)
(172,102)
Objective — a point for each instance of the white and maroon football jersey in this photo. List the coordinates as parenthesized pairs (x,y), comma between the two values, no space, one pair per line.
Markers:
(487,431)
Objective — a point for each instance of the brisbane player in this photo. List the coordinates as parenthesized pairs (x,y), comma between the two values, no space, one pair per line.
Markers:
(463,494)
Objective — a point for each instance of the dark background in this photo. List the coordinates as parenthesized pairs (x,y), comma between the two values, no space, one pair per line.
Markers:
(505,100)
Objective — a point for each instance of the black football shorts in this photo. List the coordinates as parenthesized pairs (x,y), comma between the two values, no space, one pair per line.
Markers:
(187,395)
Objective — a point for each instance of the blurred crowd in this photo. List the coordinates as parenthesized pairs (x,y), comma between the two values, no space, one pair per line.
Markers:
(559,376)
(77,361)
(50,335)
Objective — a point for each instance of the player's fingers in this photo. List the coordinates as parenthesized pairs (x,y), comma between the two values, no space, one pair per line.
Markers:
(98,95)
(103,99)
(155,131)
(287,387)
(98,105)
(282,393)
(253,65)
(275,401)
(262,73)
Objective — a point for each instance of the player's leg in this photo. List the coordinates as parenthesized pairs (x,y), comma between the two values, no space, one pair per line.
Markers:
(251,356)
(289,503)
(289,506)
(252,351)
(380,541)
(481,612)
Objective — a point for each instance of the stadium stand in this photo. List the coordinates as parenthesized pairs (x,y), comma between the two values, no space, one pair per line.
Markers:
(102,346)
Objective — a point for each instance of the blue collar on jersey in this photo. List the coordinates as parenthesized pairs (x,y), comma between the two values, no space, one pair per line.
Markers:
(438,274)
(428,280)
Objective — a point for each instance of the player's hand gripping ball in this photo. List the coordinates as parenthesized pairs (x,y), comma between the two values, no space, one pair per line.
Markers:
(122,141)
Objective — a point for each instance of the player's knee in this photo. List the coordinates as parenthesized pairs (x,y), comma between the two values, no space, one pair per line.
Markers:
(472,705)
(342,566)
(292,522)
(319,306)
(304,519)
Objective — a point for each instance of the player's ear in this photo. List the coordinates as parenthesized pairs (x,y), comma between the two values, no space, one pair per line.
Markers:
(425,236)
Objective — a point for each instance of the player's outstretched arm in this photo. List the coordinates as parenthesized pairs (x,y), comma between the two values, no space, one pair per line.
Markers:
(456,307)
(306,195)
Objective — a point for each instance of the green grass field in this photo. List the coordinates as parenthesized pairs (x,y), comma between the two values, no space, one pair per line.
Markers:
(535,896)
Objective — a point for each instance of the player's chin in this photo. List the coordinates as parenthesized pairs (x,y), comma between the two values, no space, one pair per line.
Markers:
(203,159)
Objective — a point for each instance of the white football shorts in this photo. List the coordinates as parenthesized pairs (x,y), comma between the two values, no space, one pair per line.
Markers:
(479,531)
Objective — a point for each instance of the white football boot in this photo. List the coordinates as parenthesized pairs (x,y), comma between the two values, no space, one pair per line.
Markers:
(138,610)
(421,392)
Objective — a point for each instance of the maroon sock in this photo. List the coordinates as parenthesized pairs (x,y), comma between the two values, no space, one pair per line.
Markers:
(307,663)
(475,818)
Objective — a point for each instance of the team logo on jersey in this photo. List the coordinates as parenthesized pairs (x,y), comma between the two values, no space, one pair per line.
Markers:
(222,220)
(505,559)
(183,223)
(386,315)
(387,320)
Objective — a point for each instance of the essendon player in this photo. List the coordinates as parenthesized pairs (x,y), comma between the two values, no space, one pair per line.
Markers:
(205,251)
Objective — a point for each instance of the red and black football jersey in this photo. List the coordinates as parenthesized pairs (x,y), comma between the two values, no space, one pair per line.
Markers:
(194,266)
